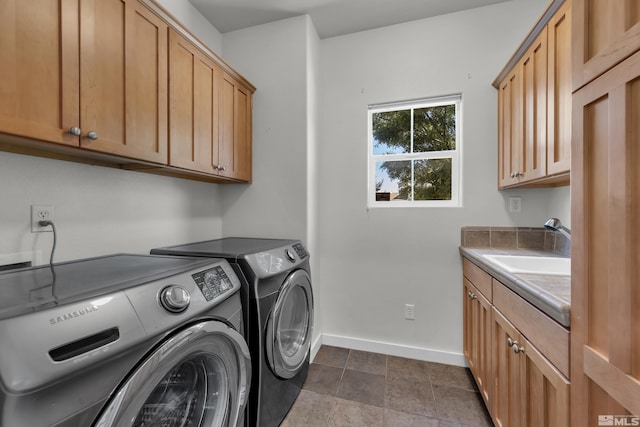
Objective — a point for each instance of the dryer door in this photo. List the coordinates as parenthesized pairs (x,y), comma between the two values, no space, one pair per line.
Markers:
(290,324)
(198,377)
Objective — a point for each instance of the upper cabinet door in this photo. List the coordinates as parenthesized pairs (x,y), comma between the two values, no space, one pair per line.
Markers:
(607,32)
(559,92)
(533,162)
(193,107)
(235,130)
(123,80)
(39,69)
(510,105)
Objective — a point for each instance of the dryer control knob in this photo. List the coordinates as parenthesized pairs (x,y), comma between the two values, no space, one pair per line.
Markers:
(175,298)
(290,255)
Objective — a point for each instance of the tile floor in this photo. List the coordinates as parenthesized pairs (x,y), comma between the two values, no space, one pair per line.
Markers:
(350,388)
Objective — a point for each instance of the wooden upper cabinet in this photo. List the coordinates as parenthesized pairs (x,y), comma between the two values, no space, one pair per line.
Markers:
(523,117)
(39,69)
(99,67)
(112,81)
(210,114)
(534,106)
(193,107)
(235,129)
(608,32)
(123,80)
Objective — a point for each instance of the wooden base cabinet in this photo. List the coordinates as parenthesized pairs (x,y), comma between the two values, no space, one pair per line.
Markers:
(519,384)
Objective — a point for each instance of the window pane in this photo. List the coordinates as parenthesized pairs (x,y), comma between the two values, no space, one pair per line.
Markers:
(434,128)
(393,181)
(432,179)
(391,132)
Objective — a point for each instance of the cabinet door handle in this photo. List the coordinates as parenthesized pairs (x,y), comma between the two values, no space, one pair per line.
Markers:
(92,135)
(510,342)
(75,131)
(516,348)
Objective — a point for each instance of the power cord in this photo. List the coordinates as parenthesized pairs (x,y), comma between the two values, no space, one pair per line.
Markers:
(53,248)
(52,285)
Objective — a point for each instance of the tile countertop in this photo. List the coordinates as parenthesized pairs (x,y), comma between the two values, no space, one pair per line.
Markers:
(549,294)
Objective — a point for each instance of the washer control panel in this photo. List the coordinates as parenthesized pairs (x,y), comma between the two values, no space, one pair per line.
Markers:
(213,282)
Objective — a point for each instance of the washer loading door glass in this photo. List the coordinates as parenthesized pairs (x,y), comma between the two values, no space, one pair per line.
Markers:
(289,327)
(199,377)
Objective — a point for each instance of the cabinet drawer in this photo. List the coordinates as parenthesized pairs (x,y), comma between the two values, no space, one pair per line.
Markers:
(478,277)
(551,339)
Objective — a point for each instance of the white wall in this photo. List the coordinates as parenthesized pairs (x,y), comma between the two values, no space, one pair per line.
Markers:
(274,58)
(102,210)
(375,261)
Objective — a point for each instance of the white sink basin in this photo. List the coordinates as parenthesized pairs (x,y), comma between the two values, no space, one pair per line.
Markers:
(532,264)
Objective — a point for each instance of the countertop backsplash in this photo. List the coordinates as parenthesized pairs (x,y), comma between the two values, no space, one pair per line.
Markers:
(515,238)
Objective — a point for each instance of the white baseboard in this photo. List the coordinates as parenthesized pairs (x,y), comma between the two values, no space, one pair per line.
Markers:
(427,354)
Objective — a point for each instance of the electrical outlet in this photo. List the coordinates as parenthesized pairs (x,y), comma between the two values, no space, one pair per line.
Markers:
(41,213)
(515,204)
(409,311)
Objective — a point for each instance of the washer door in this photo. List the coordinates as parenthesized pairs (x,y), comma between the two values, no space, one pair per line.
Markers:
(199,377)
(290,324)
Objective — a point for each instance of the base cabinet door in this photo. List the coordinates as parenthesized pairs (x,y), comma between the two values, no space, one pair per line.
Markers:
(529,390)
(477,338)
(546,390)
(507,407)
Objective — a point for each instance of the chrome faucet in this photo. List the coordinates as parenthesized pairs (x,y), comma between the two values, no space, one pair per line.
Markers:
(555,225)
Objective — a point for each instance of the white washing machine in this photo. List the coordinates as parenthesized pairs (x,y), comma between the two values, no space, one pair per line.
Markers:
(278,301)
(123,340)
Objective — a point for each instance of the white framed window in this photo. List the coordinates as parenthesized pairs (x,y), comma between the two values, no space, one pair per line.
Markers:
(414,153)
